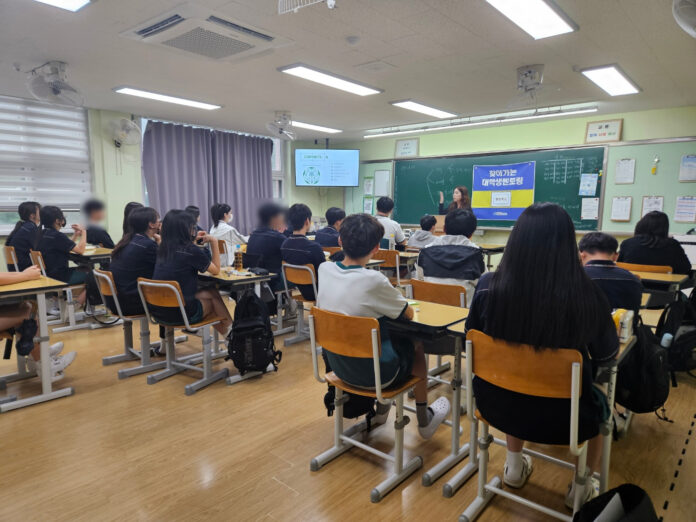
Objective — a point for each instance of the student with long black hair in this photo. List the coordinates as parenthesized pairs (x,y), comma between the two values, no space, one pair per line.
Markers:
(25,234)
(651,245)
(180,259)
(541,295)
(55,247)
(126,212)
(221,228)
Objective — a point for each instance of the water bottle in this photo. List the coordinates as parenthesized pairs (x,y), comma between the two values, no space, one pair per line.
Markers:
(392,243)
(238,264)
(626,326)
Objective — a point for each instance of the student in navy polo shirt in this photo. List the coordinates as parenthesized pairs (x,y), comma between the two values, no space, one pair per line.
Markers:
(55,247)
(598,254)
(328,236)
(180,259)
(94,211)
(297,249)
(25,235)
(267,240)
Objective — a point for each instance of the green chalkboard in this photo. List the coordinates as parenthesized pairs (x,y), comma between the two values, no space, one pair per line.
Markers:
(418,182)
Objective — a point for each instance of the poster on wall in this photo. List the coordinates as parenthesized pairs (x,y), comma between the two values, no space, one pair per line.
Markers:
(406,148)
(625,173)
(502,192)
(603,131)
(621,208)
(588,184)
(685,211)
(382,182)
(367,205)
(589,209)
(652,203)
(369,186)
(687,168)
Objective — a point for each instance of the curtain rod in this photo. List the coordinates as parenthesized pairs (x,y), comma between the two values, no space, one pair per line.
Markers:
(208,128)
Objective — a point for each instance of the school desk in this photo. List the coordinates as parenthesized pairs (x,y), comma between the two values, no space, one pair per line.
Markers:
(228,280)
(490,249)
(671,280)
(91,256)
(8,295)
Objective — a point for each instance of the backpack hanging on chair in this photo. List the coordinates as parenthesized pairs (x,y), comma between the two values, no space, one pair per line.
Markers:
(250,345)
(679,320)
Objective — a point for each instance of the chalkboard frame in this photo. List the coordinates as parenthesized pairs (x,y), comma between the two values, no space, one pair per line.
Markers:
(603,184)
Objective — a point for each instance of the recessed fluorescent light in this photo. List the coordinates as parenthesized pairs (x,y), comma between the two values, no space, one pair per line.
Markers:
(68,5)
(612,79)
(311,126)
(165,98)
(487,119)
(330,80)
(539,18)
(424,109)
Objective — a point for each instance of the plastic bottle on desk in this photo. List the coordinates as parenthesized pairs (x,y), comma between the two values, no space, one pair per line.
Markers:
(238,263)
(392,243)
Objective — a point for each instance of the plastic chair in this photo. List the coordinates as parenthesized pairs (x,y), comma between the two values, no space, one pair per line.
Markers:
(452,295)
(520,368)
(391,261)
(331,249)
(168,294)
(359,337)
(299,275)
(11,257)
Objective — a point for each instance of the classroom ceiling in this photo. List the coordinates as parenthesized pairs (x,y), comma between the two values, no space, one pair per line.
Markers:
(456,55)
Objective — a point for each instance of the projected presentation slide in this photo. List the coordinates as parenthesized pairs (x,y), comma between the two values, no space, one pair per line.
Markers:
(326,168)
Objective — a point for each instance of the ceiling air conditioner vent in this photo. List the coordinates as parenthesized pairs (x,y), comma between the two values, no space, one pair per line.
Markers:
(197,30)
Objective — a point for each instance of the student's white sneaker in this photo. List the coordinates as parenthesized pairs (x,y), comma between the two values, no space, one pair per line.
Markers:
(440,409)
(58,364)
(591,491)
(56,349)
(520,480)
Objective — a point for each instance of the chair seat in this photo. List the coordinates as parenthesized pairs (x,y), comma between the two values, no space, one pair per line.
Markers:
(387,393)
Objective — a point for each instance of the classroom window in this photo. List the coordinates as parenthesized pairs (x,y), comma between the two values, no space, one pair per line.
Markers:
(278,169)
(44,157)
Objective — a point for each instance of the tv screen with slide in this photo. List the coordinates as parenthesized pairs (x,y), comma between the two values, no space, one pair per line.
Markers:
(326,167)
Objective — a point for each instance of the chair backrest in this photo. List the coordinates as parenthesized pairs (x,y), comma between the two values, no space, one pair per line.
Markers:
(331,250)
(222,246)
(107,288)
(653,269)
(11,257)
(390,257)
(345,334)
(520,368)
(38,260)
(299,274)
(160,293)
(453,295)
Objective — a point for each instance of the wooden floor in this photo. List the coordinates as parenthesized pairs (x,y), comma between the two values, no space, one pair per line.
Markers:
(124,450)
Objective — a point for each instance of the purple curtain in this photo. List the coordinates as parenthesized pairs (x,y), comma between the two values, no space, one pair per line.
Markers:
(242,167)
(178,167)
(184,165)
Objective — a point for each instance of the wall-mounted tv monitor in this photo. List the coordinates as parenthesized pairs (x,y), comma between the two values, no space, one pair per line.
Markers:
(326,167)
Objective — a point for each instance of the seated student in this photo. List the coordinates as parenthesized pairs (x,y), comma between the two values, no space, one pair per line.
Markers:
(651,245)
(126,212)
(196,213)
(13,315)
(180,259)
(328,236)
(349,288)
(267,240)
(392,230)
(622,288)
(25,234)
(221,217)
(424,236)
(298,250)
(55,247)
(453,259)
(541,295)
(93,209)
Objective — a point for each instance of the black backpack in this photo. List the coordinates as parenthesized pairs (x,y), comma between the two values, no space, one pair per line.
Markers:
(636,504)
(642,383)
(679,319)
(355,406)
(250,344)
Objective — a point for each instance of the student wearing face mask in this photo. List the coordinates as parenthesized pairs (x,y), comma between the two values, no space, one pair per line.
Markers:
(221,218)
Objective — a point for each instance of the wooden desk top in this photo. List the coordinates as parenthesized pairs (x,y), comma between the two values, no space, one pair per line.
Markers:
(438,315)
(374,262)
(43,284)
(408,255)
(225,277)
(93,253)
(491,246)
(670,279)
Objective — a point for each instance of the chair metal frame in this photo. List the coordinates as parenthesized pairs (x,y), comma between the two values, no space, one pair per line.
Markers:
(301,329)
(174,364)
(346,439)
(487,490)
(105,277)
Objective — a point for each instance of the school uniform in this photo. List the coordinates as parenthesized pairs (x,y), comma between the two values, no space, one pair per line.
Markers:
(24,240)
(391,227)
(421,238)
(231,237)
(452,260)
(96,235)
(55,247)
(183,268)
(539,419)
(327,236)
(137,259)
(354,290)
(298,250)
(621,287)
(667,251)
(266,242)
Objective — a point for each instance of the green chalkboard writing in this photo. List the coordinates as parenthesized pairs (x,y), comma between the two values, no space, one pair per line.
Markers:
(418,182)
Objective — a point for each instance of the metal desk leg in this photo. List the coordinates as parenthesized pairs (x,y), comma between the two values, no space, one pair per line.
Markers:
(606,430)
